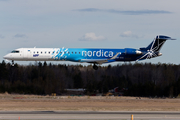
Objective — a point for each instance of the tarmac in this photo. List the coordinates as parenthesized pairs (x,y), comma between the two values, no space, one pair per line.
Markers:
(89,115)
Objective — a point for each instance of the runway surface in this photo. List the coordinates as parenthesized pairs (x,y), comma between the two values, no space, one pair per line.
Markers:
(81,115)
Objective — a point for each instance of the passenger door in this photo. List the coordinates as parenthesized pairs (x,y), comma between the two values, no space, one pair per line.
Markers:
(25,53)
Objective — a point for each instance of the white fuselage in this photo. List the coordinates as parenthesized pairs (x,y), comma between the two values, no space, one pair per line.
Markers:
(30,54)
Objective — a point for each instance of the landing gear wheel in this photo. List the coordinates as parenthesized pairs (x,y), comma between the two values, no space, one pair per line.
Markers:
(12,62)
(95,67)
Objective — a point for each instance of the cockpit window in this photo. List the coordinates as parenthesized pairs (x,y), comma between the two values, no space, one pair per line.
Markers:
(15,51)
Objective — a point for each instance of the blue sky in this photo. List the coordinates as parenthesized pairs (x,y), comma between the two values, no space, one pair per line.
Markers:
(90,24)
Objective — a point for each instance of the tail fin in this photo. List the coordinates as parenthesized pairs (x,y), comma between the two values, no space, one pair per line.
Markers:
(158,42)
(153,49)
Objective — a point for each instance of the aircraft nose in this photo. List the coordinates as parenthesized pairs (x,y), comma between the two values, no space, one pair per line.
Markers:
(7,56)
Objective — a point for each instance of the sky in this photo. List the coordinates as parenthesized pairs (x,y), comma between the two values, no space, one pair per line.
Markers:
(90,24)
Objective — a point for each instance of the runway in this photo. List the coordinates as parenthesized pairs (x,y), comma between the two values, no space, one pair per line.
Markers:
(81,115)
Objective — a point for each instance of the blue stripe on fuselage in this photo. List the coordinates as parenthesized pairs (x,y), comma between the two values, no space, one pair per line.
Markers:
(76,54)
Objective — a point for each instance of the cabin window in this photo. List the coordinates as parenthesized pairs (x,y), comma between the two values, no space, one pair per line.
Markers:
(45,52)
(56,52)
(41,52)
(49,52)
(72,52)
(75,52)
(37,52)
(61,52)
(15,51)
(79,52)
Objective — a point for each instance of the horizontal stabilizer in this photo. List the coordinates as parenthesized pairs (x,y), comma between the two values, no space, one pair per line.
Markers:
(162,37)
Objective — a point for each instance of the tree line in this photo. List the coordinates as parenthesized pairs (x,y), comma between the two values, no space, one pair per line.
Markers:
(140,79)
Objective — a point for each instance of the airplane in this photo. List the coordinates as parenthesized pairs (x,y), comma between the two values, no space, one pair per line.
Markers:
(94,56)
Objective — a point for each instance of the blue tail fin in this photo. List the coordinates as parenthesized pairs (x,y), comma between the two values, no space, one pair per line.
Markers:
(152,50)
(158,42)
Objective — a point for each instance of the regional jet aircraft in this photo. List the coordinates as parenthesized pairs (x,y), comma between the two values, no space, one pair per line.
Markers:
(90,55)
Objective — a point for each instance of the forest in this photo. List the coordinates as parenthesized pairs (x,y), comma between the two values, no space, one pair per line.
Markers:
(140,79)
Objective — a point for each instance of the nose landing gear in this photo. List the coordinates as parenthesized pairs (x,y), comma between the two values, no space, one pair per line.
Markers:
(95,67)
(12,62)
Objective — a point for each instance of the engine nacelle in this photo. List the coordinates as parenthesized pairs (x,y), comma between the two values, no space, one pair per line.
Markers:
(131,51)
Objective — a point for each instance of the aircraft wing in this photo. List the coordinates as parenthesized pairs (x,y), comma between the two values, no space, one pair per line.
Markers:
(100,61)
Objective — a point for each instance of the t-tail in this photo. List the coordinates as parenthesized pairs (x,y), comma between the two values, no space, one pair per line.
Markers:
(153,49)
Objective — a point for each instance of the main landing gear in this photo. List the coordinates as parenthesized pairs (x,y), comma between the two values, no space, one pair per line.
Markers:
(95,67)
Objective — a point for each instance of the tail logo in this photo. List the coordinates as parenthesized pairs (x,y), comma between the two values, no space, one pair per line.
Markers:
(155,47)
(150,54)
